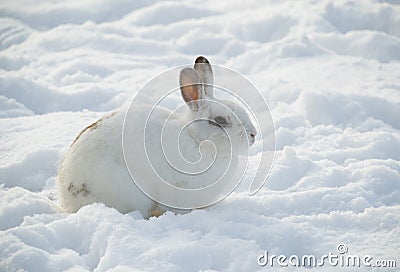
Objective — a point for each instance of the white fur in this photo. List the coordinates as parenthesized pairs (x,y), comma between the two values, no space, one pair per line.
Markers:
(94,170)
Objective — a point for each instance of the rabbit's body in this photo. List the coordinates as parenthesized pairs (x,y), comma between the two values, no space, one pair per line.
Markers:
(94,169)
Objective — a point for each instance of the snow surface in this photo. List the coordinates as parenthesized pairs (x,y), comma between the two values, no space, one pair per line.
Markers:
(330,71)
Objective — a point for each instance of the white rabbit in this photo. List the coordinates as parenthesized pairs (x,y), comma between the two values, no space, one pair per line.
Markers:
(94,170)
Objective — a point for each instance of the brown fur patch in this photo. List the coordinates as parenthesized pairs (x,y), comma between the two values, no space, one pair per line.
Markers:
(155,211)
(93,126)
(75,191)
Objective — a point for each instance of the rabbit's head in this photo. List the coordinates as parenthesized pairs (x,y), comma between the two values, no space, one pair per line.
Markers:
(220,121)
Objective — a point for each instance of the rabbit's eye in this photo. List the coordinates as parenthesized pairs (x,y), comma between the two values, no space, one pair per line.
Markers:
(219,121)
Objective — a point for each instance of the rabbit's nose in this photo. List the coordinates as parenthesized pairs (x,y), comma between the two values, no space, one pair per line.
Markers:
(252,138)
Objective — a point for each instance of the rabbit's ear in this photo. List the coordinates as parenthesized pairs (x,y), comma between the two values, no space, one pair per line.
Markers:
(191,88)
(203,68)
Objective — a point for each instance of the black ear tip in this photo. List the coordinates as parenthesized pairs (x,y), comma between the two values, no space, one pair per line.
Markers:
(201,59)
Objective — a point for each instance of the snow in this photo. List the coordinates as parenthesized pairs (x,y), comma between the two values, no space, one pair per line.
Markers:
(329,71)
